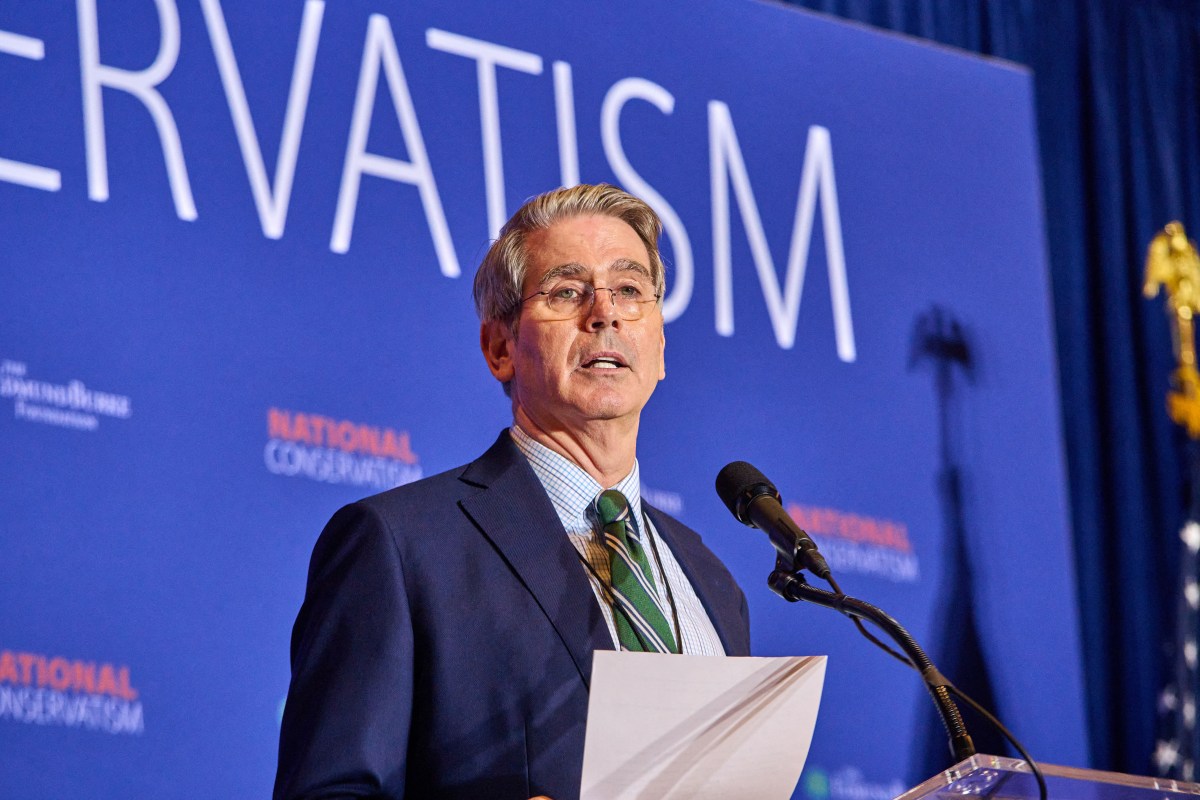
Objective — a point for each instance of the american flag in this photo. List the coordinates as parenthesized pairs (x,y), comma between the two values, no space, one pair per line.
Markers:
(1177,751)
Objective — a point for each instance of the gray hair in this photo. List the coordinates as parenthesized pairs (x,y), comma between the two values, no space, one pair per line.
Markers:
(501,274)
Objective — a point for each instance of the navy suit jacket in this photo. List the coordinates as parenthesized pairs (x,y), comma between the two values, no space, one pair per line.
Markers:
(444,647)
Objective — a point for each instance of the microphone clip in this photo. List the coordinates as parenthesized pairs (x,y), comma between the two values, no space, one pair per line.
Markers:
(786,578)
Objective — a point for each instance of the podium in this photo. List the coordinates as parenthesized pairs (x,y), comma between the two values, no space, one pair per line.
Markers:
(1001,778)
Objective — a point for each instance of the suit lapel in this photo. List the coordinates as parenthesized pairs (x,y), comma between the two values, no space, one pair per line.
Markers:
(514,513)
(709,579)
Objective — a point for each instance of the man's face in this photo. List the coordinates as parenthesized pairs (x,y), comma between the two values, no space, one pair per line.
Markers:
(567,373)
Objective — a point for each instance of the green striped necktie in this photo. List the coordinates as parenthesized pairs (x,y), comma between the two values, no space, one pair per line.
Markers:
(641,624)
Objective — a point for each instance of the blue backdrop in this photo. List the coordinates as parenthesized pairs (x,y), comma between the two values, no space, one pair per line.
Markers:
(1119,138)
(238,244)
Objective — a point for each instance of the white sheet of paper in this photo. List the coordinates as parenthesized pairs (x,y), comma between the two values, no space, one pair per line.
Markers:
(698,727)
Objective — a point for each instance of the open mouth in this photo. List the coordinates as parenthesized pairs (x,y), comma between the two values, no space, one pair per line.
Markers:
(604,362)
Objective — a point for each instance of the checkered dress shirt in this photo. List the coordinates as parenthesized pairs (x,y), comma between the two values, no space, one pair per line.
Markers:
(573,493)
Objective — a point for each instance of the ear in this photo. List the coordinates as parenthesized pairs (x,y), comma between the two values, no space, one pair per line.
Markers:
(496,341)
(662,361)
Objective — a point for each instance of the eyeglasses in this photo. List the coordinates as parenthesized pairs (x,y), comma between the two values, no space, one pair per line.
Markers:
(570,299)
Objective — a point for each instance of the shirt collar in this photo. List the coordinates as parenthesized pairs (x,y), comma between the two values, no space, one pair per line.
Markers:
(571,489)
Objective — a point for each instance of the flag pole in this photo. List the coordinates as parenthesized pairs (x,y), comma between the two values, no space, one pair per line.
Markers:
(1173,263)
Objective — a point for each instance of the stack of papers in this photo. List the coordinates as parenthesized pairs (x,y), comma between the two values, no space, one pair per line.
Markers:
(667,726)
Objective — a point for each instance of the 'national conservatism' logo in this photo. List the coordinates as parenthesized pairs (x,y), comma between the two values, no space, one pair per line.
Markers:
(320,448)
(846,783)
(855,543)
(40,689)
(67,405)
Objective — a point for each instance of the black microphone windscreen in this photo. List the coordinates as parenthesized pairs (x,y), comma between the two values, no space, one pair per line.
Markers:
(735,480)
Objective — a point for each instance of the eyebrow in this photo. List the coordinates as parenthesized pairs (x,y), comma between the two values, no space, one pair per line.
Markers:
(575,270)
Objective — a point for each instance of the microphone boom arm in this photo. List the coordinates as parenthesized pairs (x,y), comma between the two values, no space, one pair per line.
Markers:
(786,582)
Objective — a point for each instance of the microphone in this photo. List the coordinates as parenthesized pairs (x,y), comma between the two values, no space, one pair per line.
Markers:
(755,501)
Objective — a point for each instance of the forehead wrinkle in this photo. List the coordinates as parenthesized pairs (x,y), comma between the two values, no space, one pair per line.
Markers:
(577,270)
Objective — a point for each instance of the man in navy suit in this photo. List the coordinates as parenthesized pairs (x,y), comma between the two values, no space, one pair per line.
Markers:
(444,648)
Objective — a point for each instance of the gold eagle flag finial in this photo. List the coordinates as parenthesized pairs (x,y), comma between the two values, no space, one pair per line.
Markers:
(1172,262)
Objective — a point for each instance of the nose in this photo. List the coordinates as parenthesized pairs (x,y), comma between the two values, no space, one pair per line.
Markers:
(604,308)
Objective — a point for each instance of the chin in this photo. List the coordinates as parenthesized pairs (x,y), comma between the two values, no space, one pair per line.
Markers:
(609,407)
